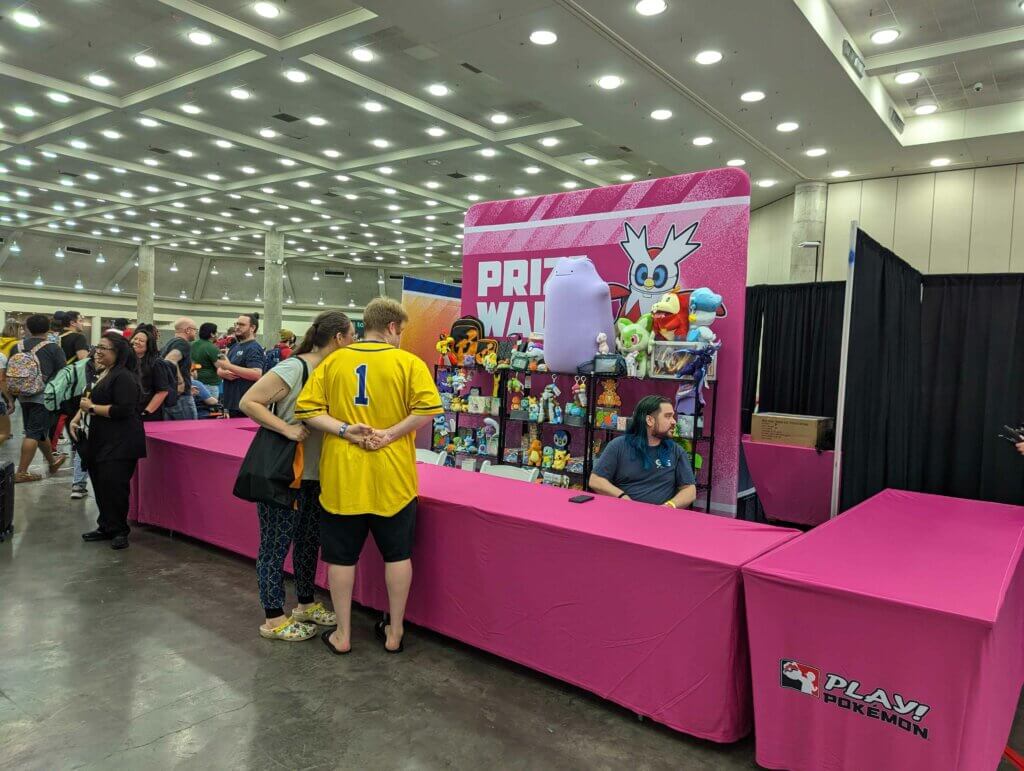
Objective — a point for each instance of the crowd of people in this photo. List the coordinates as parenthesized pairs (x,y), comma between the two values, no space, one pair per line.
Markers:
(352,408)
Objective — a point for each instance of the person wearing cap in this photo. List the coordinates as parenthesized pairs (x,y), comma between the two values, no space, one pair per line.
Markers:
(287,344)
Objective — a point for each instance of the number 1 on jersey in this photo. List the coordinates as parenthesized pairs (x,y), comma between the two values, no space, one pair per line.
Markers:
(361,399)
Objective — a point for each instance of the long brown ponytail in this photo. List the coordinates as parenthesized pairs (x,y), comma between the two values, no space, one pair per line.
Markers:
(324,328)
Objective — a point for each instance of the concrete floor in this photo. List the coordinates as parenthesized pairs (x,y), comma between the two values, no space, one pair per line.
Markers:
(149,658)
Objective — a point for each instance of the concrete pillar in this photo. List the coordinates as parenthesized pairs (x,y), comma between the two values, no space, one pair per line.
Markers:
(273,287)
(96,330)
(809,200)
(147,293)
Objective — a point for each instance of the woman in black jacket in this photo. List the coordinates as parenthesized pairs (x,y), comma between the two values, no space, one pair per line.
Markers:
(115,440)
(154,381)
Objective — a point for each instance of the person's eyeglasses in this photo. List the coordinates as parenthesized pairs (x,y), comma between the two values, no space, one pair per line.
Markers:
(99,348)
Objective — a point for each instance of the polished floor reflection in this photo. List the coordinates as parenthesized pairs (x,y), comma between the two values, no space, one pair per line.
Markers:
(149,658)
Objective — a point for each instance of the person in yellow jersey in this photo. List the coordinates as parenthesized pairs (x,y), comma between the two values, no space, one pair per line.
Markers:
(368,399)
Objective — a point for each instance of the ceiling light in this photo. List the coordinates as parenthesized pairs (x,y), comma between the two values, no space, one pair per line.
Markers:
(101,81)
(362,54)
(214,177)
(708,57)
(116,288)
(148,122)
(532,170)
(296,76)
(432,185)
(289,301)
(438,89)
(58,97)
(214,271)
(940,161)
(151,161)
(390,191)
(23,161)
(787,126)
(702,141)
(225,297)
(381,143)
(286,161)
(39,280)
(570,185)
(78,283)
(342,178)
(247,170)
(200,38)
(174,267)
(240,93)
(609,82)
(815,152)
(906,78)
(752,96)
(499,118)
(517,191)
(248,273)
(348,279)
(479,177)
(78,144)
(549,141)
(24,112)
(351,196)
(765,182)
(316,276)
(145,61)
(111,134)
(386,170)
(436,131)
(266,10)
(661,114)
(184,153)
(839,173)
(268,133)
(316,120)
(26,18)
(372,106)
(884,36)
(543,37)
(925,109)
(331,153)
(591,161)
(650,7)
(191,109)
(15,247)
(736,162)
(224,144)
(59,253)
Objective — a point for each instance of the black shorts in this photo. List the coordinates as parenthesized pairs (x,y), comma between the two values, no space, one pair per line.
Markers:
(342,536)
(37,421)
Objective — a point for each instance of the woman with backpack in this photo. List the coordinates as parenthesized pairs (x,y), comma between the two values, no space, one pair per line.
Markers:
(8,339)
(271,403)
(155,381)
(114,440)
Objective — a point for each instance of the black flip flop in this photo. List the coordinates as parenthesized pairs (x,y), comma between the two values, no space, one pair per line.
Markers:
(326,637)
(382,635)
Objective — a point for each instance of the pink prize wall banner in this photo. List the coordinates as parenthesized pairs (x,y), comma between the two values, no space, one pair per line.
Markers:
(645,239)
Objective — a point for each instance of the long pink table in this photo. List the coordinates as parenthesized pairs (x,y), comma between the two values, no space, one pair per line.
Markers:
(794,484)
(890,638)
(640,605)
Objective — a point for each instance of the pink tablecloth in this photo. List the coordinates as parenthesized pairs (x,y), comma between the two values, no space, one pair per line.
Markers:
(890,638)
(794,484)
(640,605)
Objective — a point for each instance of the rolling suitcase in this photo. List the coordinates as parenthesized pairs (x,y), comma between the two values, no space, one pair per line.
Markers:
(6,501)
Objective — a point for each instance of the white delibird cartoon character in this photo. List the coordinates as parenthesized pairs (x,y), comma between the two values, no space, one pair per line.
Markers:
(653,270)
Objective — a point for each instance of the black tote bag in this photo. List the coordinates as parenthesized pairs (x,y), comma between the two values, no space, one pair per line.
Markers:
(272,469)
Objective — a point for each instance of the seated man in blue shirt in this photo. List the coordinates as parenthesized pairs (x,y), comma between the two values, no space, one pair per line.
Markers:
(204,399)
(645,464)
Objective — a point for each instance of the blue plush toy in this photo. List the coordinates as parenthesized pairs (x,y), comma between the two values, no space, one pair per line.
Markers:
(704,306)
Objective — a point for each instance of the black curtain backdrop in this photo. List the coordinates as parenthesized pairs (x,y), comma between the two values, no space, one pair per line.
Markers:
(882,424)
(973,378)
(802,328)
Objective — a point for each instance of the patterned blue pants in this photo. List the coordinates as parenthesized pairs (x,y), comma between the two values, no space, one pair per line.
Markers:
(279,529)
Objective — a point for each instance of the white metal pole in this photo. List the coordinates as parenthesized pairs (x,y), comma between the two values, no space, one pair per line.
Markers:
(844,354)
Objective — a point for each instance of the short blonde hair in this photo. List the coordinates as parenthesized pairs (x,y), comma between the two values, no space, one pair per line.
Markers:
(381,311)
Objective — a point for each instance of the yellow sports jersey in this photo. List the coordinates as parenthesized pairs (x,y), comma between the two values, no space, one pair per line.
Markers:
(379,385)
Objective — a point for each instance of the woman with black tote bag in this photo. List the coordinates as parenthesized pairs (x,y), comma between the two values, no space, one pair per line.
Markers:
(271,403)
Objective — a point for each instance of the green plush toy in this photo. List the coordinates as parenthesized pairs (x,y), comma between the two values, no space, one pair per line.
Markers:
(633,339)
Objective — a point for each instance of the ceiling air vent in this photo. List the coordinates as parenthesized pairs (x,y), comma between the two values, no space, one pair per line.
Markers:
(67,174)
(329,194)
(394,277)
(471,68)
(77,250)
(625,149)
(159,151)
(286,117)
(457,175)
(334,273)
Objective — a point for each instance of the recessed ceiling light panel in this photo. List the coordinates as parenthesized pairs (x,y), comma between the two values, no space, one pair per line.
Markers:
(200,38)
(788,126)
(884,36)
(609,82)
(906,78)
(752,96)
(266,10)
(708,57)
(543,37)
(925,109)
(661,114)
(650,7)
(362,54)
(736,162)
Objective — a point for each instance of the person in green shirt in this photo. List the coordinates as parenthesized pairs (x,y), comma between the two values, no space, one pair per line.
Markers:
(205,353)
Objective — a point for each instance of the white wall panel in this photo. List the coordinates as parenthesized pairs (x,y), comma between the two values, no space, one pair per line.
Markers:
(991,219)
(843,206)
(912,230)
(878,209)
(1017,225)
(771,232)
(951,221)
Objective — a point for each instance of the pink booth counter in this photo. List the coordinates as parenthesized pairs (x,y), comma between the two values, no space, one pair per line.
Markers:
(891,637)
(794,484)
(638,604)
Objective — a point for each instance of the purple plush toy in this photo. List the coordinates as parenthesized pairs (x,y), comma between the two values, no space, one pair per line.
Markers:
(577,306)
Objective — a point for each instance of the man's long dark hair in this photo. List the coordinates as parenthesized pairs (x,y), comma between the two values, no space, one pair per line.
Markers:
(636,437)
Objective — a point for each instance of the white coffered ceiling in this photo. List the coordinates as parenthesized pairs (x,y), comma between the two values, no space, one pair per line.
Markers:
(120,126)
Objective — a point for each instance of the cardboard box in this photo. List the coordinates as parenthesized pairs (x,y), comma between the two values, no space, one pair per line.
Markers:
(797,430)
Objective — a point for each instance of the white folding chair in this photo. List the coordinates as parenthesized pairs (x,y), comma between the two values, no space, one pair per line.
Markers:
(429,456)
(510,472)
